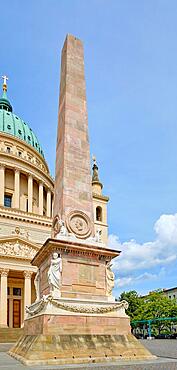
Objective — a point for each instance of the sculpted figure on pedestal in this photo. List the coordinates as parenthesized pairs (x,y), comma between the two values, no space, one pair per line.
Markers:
(54,274)
(98,236)
(58,227)
(109,279)
(36,285)
(63,230)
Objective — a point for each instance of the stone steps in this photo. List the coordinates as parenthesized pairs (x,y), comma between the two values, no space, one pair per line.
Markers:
(10,335)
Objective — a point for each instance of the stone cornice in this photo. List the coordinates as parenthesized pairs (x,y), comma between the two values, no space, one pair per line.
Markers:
(100,197)
(24,144)
(100,223)
(16,214)
(75,247)
(26,167)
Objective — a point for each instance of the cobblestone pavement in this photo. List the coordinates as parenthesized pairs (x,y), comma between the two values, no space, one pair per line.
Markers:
(165,348)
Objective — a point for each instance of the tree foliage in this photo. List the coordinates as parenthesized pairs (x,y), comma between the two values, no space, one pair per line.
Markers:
(153,306)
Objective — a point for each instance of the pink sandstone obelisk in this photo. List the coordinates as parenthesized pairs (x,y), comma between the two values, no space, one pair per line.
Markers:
(75,318)
(73,191)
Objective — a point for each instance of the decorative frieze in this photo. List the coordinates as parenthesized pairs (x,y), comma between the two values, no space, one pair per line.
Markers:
(17,250)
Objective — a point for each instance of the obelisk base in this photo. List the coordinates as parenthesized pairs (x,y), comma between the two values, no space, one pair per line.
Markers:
(62,331)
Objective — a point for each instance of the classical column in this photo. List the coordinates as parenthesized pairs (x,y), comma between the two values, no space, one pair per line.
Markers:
(27,289)
(2,184)
(48,203)
(30,193)
(3,298)
(17,189)
(52,204)
(41,198)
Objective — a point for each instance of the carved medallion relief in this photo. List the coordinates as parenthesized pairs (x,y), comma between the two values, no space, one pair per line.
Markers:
(79,224)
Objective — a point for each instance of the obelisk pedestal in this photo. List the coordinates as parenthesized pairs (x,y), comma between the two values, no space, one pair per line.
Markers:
(75,318)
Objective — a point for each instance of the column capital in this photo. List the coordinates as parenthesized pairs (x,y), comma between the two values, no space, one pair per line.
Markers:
(4,272)
(2,165)
(16,170)
(27,274)
(41,183)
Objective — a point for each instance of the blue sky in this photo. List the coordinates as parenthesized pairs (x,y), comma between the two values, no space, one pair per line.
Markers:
(131,76)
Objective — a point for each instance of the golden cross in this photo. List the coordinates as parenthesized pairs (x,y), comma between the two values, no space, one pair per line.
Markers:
(5,79)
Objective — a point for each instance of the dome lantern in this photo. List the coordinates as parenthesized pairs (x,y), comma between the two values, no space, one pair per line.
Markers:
(4,102)
(13,125)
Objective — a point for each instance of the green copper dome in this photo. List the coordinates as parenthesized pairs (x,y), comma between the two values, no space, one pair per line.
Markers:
(15,126)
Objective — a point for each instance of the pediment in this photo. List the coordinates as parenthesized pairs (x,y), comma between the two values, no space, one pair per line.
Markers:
(17,247)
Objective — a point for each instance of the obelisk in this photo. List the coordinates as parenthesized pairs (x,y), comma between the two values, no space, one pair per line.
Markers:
(75,318)
(73,192)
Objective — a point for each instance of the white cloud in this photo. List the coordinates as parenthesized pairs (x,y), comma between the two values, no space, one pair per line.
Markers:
(130,280)
(166,229)
(136,257)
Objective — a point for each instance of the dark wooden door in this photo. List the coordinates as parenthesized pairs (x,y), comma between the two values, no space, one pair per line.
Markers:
(16,313)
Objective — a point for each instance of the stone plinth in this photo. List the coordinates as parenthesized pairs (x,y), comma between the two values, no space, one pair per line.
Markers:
(64,331)
(84,267)
(84,324)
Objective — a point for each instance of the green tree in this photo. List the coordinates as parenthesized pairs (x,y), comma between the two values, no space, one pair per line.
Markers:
(153,306)
(156,305)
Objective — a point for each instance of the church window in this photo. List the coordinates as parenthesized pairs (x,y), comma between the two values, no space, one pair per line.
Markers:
(98,214)
(8,149)
(29,138)
(19,131)
(9,127)
(8,201)
(20,154)
(17,291)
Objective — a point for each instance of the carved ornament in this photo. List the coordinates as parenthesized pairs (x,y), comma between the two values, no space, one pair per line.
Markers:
(79,224)
(17,250)
(4,272)
(27,274)
(76,307)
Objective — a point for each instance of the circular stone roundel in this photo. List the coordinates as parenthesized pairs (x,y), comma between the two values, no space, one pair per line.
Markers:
(79,224)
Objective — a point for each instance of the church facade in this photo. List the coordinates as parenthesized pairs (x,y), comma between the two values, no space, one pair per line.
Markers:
(26,211)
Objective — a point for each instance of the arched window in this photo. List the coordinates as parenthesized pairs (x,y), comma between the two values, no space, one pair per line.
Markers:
(98,214)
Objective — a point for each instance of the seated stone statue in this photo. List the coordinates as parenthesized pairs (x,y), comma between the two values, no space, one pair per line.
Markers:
(54,275)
